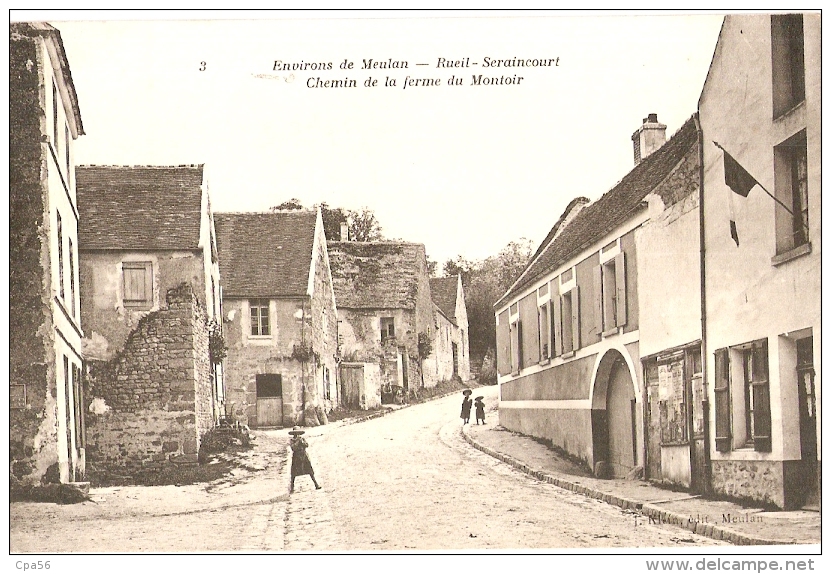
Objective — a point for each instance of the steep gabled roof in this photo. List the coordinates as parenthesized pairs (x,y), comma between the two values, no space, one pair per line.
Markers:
(443,291)
(610,211)
(52,34)
(139,207)
(265,254)
(377,274)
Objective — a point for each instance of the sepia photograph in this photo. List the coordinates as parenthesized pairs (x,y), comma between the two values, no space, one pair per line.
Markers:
(367,283)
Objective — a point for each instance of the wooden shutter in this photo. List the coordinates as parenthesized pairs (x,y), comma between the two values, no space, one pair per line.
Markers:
(722,397)
(519,345)
(598,299)
(503,344)
(761,398)
(575,317)
(557,317)
(620,286)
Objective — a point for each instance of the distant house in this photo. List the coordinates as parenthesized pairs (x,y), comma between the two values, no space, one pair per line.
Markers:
(280,318)
(46,417)
(762,102)
(382,291)
(149,278)
(571,332)
(451,351)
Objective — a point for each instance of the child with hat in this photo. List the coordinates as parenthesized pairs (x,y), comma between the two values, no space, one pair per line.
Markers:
(466,405)
(480,410)
(300,463)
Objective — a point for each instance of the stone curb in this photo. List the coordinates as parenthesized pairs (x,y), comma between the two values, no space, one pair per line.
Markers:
(650,510)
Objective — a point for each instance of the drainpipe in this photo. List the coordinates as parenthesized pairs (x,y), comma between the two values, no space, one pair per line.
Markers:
(703,310)
(303,362)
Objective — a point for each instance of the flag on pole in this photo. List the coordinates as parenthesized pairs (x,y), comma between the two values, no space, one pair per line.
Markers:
(738,180)
(736,177)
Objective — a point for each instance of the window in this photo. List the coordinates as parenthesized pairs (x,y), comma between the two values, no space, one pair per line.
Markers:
(327,389)
(66,144)
(569,330)
(71,279)
(387,329)
(610,294)
(757,396)
(791,180)
(138,284)
(752,389)
(516,347)
(269,386)
(259,317)
(60,257)
(545,341)
(788,61)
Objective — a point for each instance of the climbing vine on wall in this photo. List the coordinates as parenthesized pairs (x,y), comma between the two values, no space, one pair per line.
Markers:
(216,342)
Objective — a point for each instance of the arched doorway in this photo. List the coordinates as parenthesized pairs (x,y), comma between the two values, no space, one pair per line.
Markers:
(613,415)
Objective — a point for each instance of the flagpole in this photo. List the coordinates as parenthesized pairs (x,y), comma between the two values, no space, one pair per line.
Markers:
(773,197)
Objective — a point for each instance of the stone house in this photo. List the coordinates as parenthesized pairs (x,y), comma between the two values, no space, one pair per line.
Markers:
(280,318)
(762,103)
(46,419)
(382,290)
(451,354)
(570,330)
(150,292)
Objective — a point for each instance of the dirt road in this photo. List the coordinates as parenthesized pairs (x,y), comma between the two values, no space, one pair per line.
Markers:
(404,481)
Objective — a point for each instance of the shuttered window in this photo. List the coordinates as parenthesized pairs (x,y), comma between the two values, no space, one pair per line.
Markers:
(610,294)
(722,398)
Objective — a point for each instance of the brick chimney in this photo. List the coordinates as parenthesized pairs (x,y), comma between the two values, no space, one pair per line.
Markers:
(344,232)
(648,137)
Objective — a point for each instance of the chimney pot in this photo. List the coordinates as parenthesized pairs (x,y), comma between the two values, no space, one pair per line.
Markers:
(653,118)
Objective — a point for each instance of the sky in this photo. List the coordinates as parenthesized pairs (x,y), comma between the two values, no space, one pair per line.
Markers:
(464,169)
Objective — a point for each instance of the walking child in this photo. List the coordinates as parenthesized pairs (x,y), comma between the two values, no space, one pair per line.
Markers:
(300,463)
(480,410)
(466,405)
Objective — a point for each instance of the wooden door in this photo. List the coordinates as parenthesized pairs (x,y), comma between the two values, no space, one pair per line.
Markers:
(352,383)
(619,413)
(269,400)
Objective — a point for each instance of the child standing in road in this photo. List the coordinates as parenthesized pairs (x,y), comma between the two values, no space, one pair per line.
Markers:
(480,410)
(300,463)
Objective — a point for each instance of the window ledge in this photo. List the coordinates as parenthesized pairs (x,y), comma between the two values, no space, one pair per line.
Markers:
(781,258)
(610,332)
(790,111)
(544,362)
(568,355)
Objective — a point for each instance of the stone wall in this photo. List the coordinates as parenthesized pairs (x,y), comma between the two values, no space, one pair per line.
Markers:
(153,400)
(33,428)
(756,480)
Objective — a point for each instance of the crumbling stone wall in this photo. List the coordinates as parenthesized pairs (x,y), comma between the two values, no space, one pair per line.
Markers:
(32,429)
(153,400)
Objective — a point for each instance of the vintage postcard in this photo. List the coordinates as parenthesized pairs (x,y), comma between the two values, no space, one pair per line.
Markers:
(433,283)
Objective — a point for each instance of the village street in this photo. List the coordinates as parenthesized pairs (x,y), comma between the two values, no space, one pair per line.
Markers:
(400,482)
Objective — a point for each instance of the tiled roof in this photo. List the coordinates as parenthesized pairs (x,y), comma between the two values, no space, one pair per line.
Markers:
(443,291)
(376,275)
(610,211)
(139,207)
(265,254)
